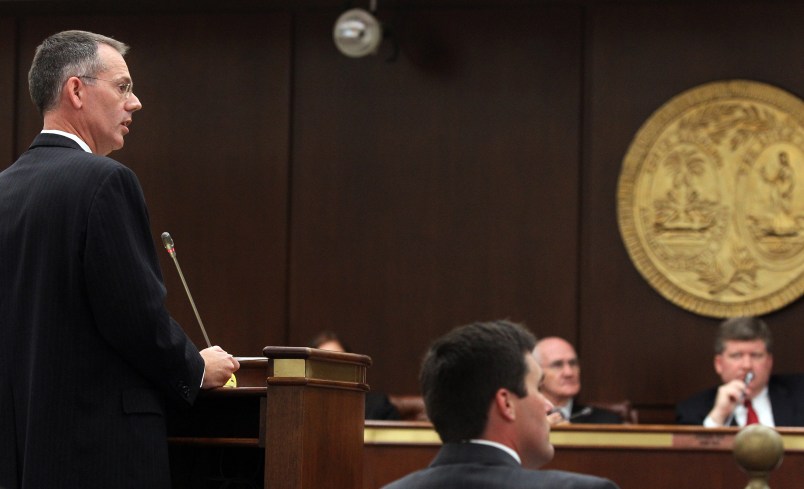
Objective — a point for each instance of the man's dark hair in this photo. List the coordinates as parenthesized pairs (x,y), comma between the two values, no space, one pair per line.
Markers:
(743,329)
(62,55)
(463,370)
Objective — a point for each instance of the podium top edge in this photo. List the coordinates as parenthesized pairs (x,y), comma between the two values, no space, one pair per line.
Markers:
(300,352)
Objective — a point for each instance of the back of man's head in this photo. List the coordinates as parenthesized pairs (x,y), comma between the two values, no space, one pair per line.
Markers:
(463,370)
(60,56)
(746,328)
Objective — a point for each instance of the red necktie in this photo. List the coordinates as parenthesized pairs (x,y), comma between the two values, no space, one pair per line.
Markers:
(751,417)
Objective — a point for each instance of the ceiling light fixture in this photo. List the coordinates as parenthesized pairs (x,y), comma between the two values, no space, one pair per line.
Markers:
(357,32)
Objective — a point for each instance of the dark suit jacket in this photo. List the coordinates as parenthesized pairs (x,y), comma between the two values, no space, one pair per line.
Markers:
(88,353)
(597,416)
(378,406)
(474,466)
(786,393)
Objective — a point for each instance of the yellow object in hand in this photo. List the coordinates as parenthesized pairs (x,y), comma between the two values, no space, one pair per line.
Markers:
(232,382)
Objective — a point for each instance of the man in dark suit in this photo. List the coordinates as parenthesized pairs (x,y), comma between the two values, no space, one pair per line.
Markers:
(89,356)
(744,345)
(562,383)
(481,389)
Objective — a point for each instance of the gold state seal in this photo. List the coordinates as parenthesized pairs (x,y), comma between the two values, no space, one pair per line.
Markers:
(710,200)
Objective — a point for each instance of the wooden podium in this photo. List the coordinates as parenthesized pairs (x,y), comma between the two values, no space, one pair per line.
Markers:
(302,405)
(314,420)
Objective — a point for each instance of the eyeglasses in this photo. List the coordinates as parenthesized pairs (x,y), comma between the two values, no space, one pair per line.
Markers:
(125,88)
(559,364)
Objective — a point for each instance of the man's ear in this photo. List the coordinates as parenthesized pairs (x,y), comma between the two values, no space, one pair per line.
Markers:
(718,363)
(504,404)
(74,91)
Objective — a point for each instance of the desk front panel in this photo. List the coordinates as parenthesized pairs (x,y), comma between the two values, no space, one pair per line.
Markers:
(636,457)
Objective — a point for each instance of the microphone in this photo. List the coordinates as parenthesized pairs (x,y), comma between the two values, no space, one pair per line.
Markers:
(583,412)
(749,376)
(171,249)
(747,380)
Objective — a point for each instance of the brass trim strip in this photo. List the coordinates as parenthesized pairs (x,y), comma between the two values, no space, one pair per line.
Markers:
(608,439)
(316,369)
(343,372)
(394,435)
(793,442)
(564,438)
(290,367)
(653,439)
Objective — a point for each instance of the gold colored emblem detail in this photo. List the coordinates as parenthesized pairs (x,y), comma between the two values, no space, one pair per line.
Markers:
(710,200)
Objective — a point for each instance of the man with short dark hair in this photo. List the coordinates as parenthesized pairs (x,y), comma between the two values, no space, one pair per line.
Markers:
(89,356)
(481,388)
(749,393)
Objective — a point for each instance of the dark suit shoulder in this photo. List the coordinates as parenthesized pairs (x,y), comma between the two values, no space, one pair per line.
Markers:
(571,480)
(473,466)
(54,154)
(795,381)
(786,392)
(379,406)
(693,410)
(65,149)
(595,416)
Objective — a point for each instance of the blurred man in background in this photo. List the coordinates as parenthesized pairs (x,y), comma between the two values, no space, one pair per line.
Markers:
(562,383)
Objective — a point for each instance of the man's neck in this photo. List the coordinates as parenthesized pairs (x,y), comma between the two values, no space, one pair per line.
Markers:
(53,121)
(558,402)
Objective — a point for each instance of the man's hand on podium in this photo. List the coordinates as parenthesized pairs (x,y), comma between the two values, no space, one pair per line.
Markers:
(219,367)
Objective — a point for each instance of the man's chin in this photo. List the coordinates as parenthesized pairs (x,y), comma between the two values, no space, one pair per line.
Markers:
(117,145)
(537,461)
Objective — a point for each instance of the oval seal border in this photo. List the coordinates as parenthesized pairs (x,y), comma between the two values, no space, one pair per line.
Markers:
(707,241)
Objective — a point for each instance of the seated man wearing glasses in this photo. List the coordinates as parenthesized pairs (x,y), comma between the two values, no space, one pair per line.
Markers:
(562,382)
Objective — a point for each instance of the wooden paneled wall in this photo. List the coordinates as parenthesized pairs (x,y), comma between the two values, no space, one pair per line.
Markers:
(472,177)
(640,56)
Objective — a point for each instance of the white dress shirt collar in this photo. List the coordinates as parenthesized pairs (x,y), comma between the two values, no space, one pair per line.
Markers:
(502,447)
(75,138)
(566,409)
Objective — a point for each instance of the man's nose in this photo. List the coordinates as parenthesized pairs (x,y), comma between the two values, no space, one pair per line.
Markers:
(569,368)
(133,103)
(746,364)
